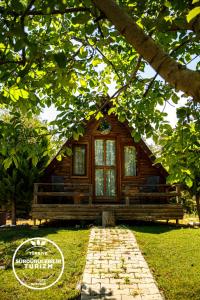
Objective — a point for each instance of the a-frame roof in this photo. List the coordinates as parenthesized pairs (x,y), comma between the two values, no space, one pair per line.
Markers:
(104,108)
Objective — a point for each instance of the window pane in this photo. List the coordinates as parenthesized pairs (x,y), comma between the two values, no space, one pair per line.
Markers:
(129,161)
(99,180)
(110,182)
(99,153)
(79,166)
(110,152)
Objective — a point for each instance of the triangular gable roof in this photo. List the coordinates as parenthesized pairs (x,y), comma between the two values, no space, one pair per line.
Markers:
(141,143)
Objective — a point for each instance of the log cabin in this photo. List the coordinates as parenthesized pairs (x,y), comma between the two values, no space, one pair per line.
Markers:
(107,174)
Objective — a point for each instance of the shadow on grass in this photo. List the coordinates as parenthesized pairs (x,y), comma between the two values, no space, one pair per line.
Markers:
(150,227)
(12,234)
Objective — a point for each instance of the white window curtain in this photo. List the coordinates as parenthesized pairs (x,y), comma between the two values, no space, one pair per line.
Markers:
(79,160)
(110,153)
(129,161)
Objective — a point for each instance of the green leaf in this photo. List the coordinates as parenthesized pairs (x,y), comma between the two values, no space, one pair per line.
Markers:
(111,110)
(59,157)
(122,119)
(68,151)
(15,161)
(195,1)
(34,161)
(83,82)
(193,13)
(99,115)
(137,137)
(60,59)
(189,182)
(7,162)
(75,136)
(96,62)
(15,92)
(167,4)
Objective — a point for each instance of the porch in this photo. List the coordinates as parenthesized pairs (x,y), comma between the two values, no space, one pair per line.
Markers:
(77,202)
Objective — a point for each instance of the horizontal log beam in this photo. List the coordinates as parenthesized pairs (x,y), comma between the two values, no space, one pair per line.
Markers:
(69,194)
(122,212)
(151,194)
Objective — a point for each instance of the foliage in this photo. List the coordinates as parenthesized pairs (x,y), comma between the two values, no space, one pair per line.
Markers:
(66,53)
(181,148)
(25,151)
(188,203)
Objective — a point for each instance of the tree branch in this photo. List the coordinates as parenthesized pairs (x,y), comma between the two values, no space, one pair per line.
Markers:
(4,62)
(43,13)
(174,73)
(133,75)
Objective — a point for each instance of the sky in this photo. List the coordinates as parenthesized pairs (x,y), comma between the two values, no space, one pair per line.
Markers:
(50,113)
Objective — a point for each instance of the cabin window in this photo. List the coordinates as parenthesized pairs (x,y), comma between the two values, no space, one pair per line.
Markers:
(79,160)
(105,168)
(129,161)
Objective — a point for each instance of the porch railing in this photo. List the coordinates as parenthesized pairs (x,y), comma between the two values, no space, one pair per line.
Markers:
(155,191)
(77,191)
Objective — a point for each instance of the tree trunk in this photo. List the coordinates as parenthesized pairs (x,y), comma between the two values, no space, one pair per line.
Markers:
(197,198)
(13,211)
(175,74)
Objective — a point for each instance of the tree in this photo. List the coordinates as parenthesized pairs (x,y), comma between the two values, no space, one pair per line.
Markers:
(24,152)
(68,52)
(180,152)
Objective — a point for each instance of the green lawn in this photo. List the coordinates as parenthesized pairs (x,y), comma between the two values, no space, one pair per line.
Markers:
(73,244)
(174,257)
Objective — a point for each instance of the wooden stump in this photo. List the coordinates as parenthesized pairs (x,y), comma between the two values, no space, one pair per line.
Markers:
(108,218)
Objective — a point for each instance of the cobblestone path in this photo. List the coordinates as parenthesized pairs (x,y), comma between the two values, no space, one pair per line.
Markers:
(115,268)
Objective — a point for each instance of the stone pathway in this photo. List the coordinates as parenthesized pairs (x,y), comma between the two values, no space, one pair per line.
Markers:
(115,268)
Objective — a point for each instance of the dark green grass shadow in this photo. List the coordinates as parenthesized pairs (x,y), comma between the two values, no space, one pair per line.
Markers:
(150,227)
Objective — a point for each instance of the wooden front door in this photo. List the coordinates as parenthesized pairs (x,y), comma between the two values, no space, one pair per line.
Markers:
(105,168)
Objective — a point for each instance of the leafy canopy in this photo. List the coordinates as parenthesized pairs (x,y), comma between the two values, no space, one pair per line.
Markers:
(67,53)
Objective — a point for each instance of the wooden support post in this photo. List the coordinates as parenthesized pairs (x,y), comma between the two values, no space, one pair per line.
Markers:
(108,218)
(127,200)
(178,191)
(177,221)
(35,197)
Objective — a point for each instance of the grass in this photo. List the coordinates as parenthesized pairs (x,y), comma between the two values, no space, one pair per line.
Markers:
(174,258)
(73,244)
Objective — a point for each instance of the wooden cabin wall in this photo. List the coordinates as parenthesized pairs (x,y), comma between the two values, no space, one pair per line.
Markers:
(121,132)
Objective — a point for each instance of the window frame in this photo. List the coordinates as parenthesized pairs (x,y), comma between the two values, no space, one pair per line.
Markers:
(85,145)
(129,177)
(115,167)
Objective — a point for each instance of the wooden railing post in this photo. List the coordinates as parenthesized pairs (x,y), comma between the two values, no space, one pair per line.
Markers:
(90,195)
(77,197)
(178,191)
(35,191)
(127,200)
